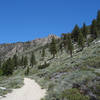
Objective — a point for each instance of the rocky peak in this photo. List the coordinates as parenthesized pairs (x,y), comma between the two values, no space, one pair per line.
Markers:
(8,50)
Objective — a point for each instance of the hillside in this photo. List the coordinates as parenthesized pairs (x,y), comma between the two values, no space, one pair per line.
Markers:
(64,75)
(8,50)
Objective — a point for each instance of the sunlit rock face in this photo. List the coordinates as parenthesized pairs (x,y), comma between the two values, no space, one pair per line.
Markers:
(8,50)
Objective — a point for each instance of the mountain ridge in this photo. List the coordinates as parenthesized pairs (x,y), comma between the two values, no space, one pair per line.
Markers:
(9,49)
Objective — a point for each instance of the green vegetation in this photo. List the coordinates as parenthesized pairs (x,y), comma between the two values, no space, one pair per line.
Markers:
(27,71)
(75,33)
(98,22)
(70,45)
(44,65)
(25,61)
(12,82)
(53,47)
(32,60)
(84,31)
(1,72)
(81,40)
(74,94)
(43,53)
(94,29)
(8,67)
(15,60)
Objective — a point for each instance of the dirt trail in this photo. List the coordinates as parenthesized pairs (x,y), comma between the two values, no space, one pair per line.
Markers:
(30,91)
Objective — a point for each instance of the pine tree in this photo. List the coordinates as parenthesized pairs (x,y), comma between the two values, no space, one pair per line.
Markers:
(15,60)
(94,29)
(63,36)
(81,40)
(43,53)
(33,60)
(84,31)
(8,67)
(61,46)
(27,71)
(98,22)
(0,68)
(75,33)
(70,45)
(53,48)
(25,61)
(0,64)
(22,61)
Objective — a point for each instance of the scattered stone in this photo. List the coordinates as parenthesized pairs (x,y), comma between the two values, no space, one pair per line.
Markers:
(0,97)
(75,85)
(2,88)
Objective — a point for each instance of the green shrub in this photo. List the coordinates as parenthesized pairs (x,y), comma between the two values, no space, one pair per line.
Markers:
(44,65)
(1,72)
(97,92)
(27,71)
(74,94)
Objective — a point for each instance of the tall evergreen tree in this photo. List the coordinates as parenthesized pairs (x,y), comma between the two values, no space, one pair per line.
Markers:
(94,29)
(8,67)
(33,60)
(15,60)
(53,47)
(98,21)
(0,68)
(70,45)
(22,61)
(0,64)
(84,30)
(75,33)
(81,40)
(43,53)
(25,61)
(27,71)
(61,46)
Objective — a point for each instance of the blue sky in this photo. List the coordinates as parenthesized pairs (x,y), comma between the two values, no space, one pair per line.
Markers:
(23,20)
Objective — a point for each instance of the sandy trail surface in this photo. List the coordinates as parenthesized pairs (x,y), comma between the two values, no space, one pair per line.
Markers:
(30,91)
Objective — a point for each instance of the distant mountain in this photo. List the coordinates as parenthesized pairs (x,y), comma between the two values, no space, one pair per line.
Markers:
(8,50)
